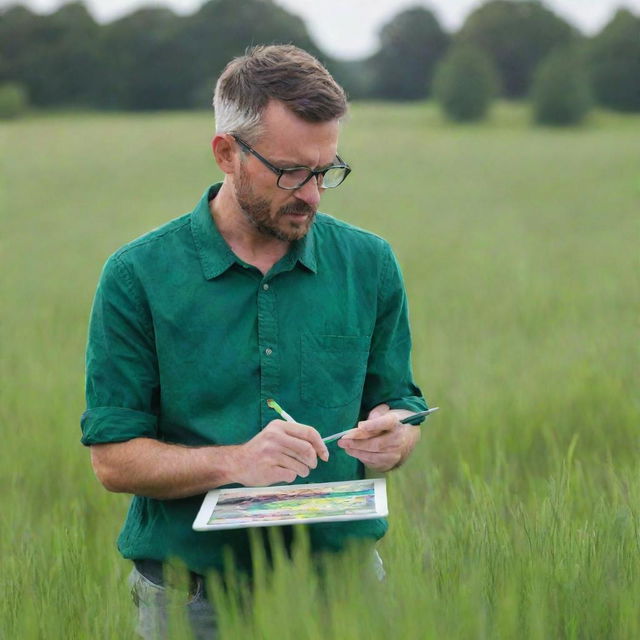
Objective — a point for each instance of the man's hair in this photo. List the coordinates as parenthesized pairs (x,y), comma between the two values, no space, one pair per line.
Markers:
(275,72)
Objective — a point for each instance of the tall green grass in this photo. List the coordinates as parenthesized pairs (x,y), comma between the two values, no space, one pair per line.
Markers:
(518,514)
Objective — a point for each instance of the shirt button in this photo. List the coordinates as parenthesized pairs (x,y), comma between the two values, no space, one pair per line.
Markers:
(268,351)
(265,287)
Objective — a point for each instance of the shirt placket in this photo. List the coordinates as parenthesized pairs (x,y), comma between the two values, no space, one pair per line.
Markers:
(269,352)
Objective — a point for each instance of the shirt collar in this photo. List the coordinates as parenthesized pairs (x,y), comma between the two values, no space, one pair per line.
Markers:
(304,250)
(216,255)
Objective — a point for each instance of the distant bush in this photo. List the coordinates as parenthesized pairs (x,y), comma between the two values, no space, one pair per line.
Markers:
(411,45)
(465,84)
(13,100)
(615,63)
(561,94)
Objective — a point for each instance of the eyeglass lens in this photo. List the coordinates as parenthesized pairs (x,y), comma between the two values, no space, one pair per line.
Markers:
(293,179)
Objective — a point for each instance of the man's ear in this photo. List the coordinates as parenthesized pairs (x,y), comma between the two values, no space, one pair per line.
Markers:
(224,149)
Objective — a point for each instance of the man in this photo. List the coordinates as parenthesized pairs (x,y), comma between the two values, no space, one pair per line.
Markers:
(252,295)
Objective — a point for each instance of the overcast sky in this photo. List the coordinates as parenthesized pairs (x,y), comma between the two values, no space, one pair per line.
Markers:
(348,28)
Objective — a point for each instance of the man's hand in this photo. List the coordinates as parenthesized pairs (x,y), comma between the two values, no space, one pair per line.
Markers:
(381,442)
(279,453)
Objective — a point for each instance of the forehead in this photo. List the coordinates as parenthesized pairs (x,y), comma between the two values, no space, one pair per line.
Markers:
(288,139)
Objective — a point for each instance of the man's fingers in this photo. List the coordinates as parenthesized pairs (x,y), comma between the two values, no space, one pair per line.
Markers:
(375,444)
(292,464)
(283,475)
(380,461)
(301,451)
(310,435)
(375,426)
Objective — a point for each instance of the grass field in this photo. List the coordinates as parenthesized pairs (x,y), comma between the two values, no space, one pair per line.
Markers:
(519,514)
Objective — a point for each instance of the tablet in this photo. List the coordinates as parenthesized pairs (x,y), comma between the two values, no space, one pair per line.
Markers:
(292,504)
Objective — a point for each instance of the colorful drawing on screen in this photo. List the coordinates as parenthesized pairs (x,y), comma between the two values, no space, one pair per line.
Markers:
(299,502)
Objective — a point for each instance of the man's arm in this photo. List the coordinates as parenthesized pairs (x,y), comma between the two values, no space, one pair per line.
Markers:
(144,466)
(381,442)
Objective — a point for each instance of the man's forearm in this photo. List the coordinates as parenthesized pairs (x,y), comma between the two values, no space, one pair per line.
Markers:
(155,469)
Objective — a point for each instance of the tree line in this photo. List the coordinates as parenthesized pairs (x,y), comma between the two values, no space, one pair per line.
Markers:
(156,59)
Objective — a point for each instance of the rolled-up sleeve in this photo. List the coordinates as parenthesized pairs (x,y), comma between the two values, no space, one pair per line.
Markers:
(121,362)
(389,376)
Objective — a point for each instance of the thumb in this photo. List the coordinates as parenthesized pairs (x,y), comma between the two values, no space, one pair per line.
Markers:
(378,411)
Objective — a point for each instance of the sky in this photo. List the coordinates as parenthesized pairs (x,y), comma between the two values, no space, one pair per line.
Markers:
(348,28)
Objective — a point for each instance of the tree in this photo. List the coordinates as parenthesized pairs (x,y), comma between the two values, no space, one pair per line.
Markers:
(19,33)
(561,93)
(222,29)
(615,63)
(148,65)
(55,56)
(410,47)
(516,35)
(465,84)
(149,59)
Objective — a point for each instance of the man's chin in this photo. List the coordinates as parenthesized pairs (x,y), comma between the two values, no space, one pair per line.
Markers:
(296,227)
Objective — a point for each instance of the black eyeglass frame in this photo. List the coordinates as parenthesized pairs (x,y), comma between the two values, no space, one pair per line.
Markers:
(279,171)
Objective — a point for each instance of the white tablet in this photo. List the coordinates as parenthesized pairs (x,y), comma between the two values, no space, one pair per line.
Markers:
(292,504)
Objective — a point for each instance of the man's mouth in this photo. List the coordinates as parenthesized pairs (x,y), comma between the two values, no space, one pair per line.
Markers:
(297,211)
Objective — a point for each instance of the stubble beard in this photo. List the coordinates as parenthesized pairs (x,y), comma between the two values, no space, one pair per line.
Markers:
(257,212)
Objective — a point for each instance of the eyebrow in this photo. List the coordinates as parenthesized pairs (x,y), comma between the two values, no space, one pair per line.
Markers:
(286,165)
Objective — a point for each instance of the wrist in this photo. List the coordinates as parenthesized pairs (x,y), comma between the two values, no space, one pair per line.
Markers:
(230,464)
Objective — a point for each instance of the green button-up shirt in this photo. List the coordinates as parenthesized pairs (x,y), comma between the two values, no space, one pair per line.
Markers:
(187,342)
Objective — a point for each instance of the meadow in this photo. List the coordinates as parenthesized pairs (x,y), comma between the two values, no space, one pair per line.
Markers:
(518,516)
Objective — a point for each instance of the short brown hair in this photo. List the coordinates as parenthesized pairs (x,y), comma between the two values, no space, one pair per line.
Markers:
(275,72)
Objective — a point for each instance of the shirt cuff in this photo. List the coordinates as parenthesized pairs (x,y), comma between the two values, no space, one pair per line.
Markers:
(116,424)
(410,403)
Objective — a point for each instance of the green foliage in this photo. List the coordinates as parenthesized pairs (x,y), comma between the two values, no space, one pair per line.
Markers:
(615,63)
(155,59)
(410,46)
(149,59)
(222,29)
(561,94)
(465,84)
(55,56)
(516,517)
(517,35)
(14,100)
(147,64)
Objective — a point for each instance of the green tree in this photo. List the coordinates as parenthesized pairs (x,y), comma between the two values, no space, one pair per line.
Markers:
(410,47)
(561,94)
(20,31)
(55,56)
(615,63)
(147,63)
(222,29)
(465,84)
(149,59)
(517,35)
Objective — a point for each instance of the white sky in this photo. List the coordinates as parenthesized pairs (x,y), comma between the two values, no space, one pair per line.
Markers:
(349,28)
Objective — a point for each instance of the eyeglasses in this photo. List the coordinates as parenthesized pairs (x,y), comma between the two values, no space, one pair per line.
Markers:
(292,178)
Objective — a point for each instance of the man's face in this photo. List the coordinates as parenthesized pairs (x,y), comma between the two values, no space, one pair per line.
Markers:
(289,222)
(286,141)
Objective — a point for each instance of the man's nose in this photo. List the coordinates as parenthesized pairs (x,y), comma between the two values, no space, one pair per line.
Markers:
(309,193)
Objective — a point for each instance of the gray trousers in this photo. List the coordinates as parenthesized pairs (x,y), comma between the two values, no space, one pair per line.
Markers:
(152,602)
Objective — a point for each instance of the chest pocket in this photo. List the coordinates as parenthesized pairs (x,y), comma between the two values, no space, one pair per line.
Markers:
(333,369)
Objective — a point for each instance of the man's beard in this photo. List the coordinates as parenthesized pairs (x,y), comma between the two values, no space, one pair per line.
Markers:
(258,212)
